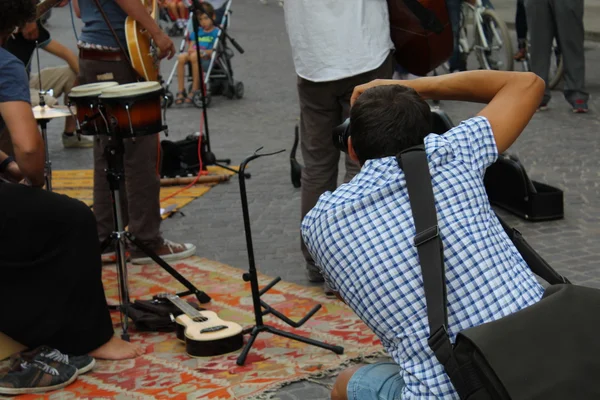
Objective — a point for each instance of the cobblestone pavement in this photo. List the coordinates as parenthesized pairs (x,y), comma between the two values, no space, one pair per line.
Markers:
(558,148)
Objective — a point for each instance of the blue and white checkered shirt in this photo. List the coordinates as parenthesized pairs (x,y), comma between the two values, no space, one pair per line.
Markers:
(361,236)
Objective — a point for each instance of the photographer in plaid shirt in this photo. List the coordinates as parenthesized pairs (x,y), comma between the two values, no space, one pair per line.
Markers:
(361,235)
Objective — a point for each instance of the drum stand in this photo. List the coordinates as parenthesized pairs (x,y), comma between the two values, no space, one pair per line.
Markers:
(252,277)
(44,125)
(48,164)
(115,174)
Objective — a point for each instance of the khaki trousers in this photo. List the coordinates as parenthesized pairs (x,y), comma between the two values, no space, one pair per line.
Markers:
(58,79)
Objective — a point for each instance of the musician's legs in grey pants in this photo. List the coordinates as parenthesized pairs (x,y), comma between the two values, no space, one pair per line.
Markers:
(563,18)
(141,186)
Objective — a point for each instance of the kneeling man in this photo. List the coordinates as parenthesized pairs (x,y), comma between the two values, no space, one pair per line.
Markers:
(361,235)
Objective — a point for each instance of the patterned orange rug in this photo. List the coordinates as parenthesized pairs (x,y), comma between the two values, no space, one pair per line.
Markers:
(166,372)
(79,184)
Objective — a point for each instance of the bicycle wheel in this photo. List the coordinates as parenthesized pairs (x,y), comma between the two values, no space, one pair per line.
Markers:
(557,67)
(498,55)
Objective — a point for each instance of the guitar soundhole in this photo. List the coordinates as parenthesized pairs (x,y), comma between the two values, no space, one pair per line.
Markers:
(214,329)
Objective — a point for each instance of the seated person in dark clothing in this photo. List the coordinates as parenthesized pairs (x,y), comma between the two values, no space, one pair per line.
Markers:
(50,271)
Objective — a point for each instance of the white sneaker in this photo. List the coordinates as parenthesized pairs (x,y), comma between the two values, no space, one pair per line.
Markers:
(168,251)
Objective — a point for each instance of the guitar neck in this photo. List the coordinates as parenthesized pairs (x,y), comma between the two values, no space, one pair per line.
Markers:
(43,7)
(185,307)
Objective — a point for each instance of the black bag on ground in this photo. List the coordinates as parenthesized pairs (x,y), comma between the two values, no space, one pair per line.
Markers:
(547,351)
(181,158)
(508,186)
(155,315)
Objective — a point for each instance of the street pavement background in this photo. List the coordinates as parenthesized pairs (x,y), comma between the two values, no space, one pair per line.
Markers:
(557,147)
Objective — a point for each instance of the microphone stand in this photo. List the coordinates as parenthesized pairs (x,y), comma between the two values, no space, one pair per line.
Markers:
(210,158)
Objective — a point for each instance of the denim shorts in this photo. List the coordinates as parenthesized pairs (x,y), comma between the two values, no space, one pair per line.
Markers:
(380,381)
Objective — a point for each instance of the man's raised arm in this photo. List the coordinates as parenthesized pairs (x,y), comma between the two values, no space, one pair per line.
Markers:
(512,97)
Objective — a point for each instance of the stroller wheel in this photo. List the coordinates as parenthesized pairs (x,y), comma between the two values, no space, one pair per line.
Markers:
(198,99)
(168,99)
(228,90)
(239,90)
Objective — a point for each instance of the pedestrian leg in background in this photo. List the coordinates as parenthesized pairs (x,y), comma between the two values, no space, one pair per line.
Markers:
(454,11)
(569,26)
(542,30)
(521,26)
(320,112)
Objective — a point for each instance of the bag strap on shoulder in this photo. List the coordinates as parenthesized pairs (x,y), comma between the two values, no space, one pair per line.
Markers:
(413,162)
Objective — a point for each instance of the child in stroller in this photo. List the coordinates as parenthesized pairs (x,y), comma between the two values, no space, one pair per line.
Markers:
(205,38)
(215,60)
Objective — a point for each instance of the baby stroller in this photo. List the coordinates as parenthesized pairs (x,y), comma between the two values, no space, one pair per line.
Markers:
(218,77)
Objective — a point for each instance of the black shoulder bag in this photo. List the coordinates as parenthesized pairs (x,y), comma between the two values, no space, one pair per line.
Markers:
(549,351)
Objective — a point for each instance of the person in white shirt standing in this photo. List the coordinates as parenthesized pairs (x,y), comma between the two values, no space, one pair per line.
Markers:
(336,45)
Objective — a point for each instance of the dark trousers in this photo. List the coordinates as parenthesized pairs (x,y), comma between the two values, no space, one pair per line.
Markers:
(323,106)
(521,21)
(562,19)
(141,187)
(50,272)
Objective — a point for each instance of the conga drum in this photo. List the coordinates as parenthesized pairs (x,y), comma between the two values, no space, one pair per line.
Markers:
(85,99)
(134,109)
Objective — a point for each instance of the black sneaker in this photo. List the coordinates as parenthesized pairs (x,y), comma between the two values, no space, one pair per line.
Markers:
(329,293)
(46,354)
(314,275)
(36,377)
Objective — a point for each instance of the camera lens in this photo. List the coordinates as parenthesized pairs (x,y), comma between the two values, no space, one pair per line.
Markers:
(341,133)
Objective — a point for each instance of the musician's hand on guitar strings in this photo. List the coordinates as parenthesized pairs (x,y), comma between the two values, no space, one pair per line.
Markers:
(30,31)
(360,89)
(165,46)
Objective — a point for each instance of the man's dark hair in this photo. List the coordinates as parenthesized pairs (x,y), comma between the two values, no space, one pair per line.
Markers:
(15,13)
(388,119)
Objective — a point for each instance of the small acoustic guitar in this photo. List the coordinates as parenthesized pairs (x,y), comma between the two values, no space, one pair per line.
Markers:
(141,47)
(203,332)
(421,33)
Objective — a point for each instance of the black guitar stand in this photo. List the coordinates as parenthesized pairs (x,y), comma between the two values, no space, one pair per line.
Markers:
(209,156)
(115,174)
(252,277)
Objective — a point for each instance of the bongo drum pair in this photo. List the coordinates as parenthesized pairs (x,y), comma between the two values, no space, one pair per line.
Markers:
(107,108)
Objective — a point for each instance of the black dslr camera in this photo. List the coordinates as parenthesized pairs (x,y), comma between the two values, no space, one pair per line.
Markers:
(341,133)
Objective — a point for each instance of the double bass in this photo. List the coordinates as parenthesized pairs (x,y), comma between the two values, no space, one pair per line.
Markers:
(422,34)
